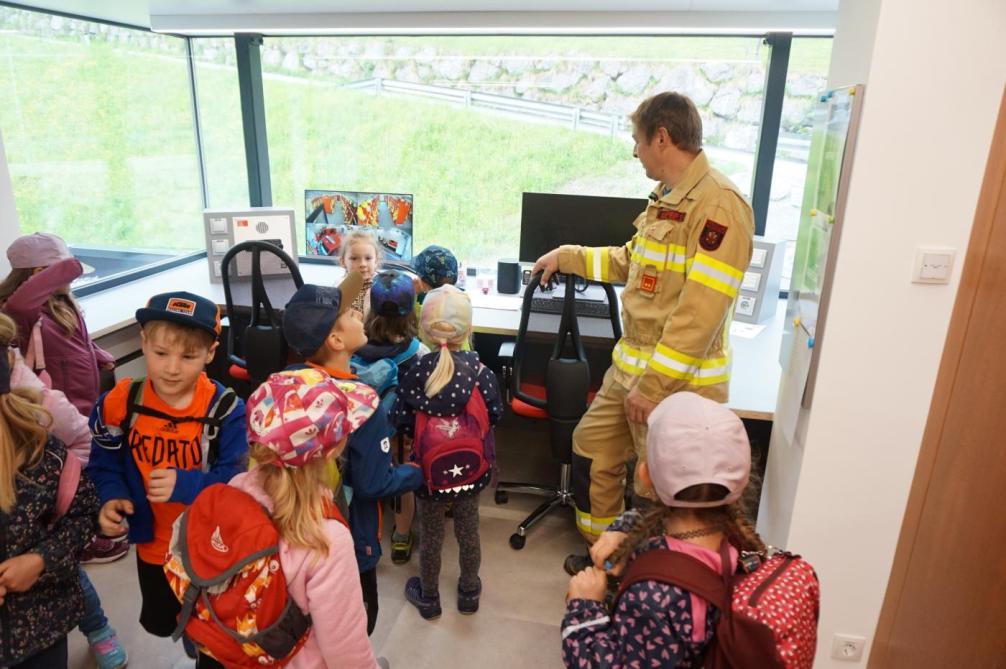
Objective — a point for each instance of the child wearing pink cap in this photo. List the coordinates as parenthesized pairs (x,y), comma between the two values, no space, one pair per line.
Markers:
(698,464)
(297,421)
(36,294)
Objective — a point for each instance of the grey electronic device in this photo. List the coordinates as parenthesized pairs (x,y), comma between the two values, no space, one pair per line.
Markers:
(226,227)
(758,297)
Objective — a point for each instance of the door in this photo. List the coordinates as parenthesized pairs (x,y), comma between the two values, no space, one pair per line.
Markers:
(946,600)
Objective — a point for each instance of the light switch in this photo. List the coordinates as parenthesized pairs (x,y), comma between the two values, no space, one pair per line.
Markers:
(751,281)
(218,226)
(220,246)
(933,265)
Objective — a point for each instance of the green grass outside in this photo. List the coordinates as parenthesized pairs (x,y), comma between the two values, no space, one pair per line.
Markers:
(101,149)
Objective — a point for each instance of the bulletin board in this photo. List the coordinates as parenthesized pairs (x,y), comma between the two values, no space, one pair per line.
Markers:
(828,169)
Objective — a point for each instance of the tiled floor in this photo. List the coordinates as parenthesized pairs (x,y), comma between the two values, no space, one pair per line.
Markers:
(522,602)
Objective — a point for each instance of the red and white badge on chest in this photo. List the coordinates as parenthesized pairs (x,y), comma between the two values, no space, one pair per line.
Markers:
(648,280)
(670,215)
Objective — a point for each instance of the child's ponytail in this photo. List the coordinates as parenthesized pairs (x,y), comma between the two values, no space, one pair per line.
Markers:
(298,497)
(442,373)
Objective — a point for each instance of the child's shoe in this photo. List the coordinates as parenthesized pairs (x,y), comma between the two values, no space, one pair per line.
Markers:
(401,548)
(103,549)
(468,600)
(429,607)
(107,651)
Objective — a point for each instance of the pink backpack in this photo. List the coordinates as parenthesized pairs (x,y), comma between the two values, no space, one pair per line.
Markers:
(454,452)
(768,617)
(69,479)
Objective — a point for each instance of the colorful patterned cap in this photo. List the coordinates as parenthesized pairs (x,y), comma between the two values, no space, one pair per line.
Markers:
(436,266)
(305,414)
(447,315)
(392,294)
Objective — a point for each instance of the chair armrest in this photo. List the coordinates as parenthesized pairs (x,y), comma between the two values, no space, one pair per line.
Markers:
(506,351)
(506,368)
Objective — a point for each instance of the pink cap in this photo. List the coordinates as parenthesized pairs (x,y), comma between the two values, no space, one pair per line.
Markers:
(39,249)
(305,414)
(693,440)
(446,315)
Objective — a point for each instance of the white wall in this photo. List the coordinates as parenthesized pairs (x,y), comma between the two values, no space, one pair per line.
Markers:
(9,226)
(934,81)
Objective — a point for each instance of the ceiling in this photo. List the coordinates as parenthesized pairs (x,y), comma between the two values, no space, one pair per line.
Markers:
(334,16)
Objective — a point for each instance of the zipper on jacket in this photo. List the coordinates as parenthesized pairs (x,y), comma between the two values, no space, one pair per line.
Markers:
(764,585)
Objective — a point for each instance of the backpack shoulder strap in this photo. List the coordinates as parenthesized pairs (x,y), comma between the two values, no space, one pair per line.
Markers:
(684,571)
(69,480)
(134,403)
(476,407)
(224,405)
(34,355)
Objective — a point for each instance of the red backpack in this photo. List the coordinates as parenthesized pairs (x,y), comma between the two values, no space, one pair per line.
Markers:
(223,565)
(767,618)
(454,452)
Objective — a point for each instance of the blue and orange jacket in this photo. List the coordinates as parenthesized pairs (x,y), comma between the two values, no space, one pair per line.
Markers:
(116,474)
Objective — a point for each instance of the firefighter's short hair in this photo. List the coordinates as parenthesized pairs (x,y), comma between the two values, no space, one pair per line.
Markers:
(674,112)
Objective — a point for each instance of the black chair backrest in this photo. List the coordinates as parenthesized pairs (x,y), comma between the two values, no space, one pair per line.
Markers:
(263,349)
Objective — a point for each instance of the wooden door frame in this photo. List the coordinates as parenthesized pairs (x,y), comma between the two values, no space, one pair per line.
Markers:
(991,199)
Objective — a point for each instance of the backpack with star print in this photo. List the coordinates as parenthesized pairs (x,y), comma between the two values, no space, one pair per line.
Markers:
(455,452)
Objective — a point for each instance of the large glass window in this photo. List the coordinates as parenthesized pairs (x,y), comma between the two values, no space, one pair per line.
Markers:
(219,101)
(98,130)
(805,81)
(466,124)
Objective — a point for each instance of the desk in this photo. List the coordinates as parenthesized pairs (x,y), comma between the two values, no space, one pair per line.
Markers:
(756,371)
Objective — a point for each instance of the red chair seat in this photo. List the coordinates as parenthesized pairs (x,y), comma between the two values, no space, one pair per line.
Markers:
(239,373)
(534,390)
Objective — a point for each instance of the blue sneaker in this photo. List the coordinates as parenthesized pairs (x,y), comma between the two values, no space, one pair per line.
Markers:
(106,648)
(429,607)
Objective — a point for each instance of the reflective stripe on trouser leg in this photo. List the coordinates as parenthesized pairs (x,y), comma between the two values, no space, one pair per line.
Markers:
(602,442)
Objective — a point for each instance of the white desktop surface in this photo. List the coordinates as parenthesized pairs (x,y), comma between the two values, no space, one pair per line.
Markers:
(754,381)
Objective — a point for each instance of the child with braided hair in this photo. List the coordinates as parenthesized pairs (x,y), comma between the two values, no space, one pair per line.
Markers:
(698,464)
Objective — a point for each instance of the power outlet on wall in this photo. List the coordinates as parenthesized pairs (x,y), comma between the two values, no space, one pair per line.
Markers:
(847,647)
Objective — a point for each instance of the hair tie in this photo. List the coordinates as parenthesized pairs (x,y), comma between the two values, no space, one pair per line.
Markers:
(443,343)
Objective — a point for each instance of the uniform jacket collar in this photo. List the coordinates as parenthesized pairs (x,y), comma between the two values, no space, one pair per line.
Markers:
(692,176)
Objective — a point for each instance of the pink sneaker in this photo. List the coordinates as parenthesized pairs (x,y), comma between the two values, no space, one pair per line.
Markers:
(104,549)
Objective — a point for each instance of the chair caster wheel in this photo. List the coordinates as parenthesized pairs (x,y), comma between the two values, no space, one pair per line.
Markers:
(517,541)
(501,497)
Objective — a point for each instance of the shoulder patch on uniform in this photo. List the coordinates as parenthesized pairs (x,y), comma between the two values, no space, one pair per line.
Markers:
(712,235)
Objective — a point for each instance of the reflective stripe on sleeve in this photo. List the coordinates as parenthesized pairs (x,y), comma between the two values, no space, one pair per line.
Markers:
(715,274)
(597,261)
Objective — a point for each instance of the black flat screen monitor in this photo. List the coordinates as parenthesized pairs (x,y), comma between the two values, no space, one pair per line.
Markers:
(548,220)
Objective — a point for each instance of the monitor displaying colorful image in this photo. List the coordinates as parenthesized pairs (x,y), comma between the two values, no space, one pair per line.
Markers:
(331,214)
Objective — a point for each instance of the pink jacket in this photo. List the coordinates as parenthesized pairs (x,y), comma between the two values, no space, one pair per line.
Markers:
(68,424)
(328,590)
(72,361)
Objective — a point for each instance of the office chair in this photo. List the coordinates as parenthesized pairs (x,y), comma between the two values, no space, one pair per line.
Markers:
(562,400)
(258,348)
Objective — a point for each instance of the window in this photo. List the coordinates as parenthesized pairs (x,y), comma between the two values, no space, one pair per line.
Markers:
(806,79)
(467,124)
(219,104)
(98,129)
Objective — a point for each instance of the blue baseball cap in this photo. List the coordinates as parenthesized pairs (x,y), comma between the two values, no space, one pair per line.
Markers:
(436,266)
(392,294)
(311,313)
(182,308)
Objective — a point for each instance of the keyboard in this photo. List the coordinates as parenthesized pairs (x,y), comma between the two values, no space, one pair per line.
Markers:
(589,308)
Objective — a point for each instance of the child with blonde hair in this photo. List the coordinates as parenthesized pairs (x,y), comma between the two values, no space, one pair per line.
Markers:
(297,422)
(41,536)
(69,426)
(449,396)
(361,253)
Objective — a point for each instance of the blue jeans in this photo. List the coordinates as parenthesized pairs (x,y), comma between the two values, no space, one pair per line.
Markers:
(94,617)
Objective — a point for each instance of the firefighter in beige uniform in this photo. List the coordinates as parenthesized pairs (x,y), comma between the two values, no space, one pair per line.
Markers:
(682,271)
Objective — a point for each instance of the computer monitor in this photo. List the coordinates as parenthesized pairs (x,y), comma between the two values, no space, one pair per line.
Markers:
(548,220)
(330,214)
